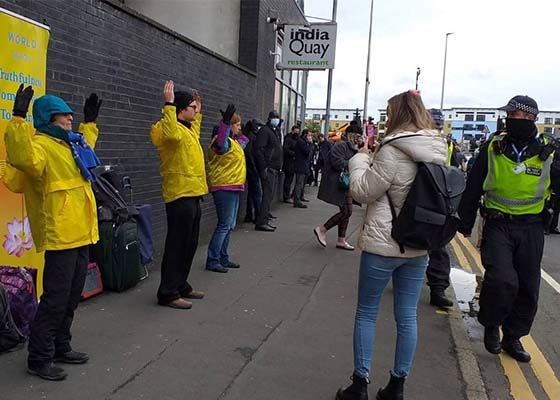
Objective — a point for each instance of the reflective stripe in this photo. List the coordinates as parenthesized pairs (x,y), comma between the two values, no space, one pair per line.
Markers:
(544,176)
(513,202)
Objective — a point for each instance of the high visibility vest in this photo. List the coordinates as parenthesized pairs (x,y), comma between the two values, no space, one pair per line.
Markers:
(450,149)
(516,188)
(227,169)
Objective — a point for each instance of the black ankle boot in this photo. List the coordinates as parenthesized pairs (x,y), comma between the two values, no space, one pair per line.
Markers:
(439,299)
(393,391)
(356,391)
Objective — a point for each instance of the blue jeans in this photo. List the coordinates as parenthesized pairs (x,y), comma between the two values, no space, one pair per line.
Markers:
(408,276)
(227,205)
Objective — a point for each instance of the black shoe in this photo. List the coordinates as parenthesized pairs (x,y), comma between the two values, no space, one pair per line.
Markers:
(393,391)
(232,264)
(299,205)
(48,371)
(492,339)
(264,228)
(515,349)
(438,299)
(217,268)
(271,225)
(356,391)
(554,232)
(270,216)
(71,357)
(305,200)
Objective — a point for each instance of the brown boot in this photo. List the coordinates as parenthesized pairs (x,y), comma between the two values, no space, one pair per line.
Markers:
(194,294)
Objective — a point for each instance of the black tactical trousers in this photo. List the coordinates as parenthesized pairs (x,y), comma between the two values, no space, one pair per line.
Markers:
(438,269)
(511,253)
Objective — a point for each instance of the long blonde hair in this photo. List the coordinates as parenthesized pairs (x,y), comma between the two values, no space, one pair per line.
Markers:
(406,112)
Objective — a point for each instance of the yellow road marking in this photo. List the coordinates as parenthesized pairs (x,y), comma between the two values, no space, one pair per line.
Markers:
(463,262)
(519,387)
(472,251)
(543,370)
(539,364)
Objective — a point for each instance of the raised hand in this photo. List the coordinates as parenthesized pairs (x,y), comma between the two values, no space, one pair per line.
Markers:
(198,101)
(168,92)
(22,100)
(228,113)
(91,108)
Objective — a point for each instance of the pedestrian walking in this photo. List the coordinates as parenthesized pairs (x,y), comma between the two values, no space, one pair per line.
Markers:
(176,136)
(554,203)
(333,191)
(389,173)
(289,164)
(254,190)
(303,149)
(512,174)
(55,163)
(227,174)
(268,159)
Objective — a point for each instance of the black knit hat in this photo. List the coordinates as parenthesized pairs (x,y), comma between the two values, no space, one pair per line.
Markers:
(183,98)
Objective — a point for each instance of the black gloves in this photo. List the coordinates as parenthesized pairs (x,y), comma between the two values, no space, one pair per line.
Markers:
(22,100)
(91,108)
(226,115)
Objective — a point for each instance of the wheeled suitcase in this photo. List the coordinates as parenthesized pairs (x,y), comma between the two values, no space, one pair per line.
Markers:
(118,255)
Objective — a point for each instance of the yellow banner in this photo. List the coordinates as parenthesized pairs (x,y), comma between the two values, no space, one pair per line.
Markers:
(23,59)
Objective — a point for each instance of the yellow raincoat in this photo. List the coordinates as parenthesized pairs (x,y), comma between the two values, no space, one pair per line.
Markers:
(181,157)
(59,201)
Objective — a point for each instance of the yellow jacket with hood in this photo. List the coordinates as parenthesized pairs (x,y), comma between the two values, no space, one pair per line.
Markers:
(182,165)
(59,200)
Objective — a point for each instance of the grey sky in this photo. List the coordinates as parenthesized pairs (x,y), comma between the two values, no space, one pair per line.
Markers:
(500,48)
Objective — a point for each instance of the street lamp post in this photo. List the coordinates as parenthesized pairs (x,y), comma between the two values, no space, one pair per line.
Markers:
(444,66)
(417,75)
(329,83)
(367,68)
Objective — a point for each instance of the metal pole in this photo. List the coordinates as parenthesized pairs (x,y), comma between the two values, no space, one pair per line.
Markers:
(417,75)
(444,66)
(329,85)
(365,112)
(304,98)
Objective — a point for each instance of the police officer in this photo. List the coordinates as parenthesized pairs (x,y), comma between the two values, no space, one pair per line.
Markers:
(439,264)
(512,174)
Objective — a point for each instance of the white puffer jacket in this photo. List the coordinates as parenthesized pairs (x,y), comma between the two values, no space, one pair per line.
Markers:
(391,169)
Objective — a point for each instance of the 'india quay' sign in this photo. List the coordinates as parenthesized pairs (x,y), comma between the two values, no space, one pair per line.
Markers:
(310,47)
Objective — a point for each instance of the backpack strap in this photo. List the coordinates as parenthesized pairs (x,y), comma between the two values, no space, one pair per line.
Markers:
(394,215)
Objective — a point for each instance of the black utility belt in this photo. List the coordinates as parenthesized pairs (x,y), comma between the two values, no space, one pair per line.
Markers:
(491,214)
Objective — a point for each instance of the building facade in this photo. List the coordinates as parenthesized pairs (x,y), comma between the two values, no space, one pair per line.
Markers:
(124,50)
(340,117)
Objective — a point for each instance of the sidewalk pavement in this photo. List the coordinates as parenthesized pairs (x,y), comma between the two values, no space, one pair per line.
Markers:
(279,328)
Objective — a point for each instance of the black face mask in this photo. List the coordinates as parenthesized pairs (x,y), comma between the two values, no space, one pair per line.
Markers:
(521,129)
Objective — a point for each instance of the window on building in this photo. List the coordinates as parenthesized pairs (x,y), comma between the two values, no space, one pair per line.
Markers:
(480,117)
(548,130)
(317,116)
(336,116)
(548,120)
(557,121)
(479,127)
(324,116)
(468,127)
(450,116)
(347,117)
(382,118)
(469,117)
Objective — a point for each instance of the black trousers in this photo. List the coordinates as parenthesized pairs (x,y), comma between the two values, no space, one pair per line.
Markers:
(268,189)
(288,180)
(254,196)
(511,253)
(438,270)
(555,204)
(181,242)
(299,188)
(63,281)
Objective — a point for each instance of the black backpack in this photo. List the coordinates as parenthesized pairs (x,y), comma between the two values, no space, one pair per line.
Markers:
(10,336)
(428,219)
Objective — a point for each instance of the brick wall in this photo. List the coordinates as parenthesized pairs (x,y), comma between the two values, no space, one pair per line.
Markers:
(97,47)
(103,47)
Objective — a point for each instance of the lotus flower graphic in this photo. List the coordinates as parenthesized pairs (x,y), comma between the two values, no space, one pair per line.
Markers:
(18,239)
